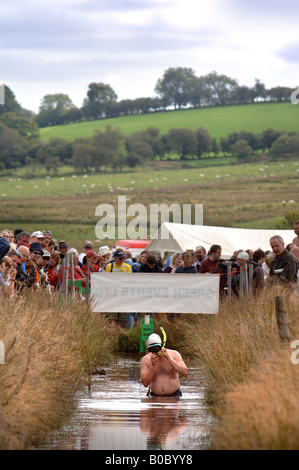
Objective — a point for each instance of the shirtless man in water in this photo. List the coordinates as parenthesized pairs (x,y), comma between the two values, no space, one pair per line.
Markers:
(161,371)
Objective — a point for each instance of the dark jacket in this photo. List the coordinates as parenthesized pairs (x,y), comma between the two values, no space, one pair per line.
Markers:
(145,269)
(186,270)
(284,269)
(4,247)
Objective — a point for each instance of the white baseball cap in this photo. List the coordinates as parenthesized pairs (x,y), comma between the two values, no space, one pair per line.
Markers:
(38,234)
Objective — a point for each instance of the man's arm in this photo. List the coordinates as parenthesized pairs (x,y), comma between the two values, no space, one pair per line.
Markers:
(176,361)
(147,369)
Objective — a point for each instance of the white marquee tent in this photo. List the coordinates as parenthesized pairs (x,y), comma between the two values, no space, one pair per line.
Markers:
(173,238)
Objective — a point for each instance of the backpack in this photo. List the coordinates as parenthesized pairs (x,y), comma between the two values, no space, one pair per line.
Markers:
(4,247)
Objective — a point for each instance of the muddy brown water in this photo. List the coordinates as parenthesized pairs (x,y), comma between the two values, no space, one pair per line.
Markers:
(116,414)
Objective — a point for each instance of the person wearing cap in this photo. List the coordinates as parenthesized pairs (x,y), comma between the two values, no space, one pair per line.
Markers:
(161,368)
(35,254)
(93,267)
(36,237)
(242,260)
(47,238)
(118,265)
(63,248)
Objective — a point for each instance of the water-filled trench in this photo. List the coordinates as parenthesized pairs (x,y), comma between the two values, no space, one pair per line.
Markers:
(116,414)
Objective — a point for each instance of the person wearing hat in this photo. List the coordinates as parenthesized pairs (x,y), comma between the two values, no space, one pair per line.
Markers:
(93,267)
(36,237)
(47,238)
(105,253)
(35,253)
(161,368)
(63,248)
(118,264)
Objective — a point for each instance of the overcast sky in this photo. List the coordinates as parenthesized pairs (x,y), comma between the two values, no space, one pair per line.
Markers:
(61,46)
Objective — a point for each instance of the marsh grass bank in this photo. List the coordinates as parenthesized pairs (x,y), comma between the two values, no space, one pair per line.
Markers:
(252,385)
(50,350)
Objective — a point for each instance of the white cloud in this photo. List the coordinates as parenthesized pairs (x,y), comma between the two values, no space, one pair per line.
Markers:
(64,46)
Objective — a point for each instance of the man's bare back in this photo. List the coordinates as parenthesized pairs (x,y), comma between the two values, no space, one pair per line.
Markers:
(296,230)
(161,371)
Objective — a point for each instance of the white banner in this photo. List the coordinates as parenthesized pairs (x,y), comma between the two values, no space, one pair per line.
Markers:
(154,293)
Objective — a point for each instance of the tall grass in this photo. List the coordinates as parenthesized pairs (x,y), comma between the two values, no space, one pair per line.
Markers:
(251,382)
(50,348)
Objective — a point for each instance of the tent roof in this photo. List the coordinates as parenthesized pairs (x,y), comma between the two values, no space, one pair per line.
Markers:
(174,238)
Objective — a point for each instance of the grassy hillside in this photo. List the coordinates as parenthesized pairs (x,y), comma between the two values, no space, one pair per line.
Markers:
(219,121)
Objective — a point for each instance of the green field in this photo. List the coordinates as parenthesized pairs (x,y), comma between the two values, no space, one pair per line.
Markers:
(218,121)
(255,195)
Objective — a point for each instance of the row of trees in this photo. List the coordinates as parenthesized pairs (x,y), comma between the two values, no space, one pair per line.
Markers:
(21,146)
(179,87)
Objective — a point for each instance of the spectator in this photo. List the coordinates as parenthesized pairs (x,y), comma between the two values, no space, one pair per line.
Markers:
(7,276)
(51,246)
(105,252)
(250,254)
(36,237)
(24,252)
(258,272)
(201,255)
(211,264)
(101,263)
(186,267)
(88,246)
(63,248)
(295,251)
(55,273)
(128,257)
(4,247)
(35,254)
(22,239)
(118,264)
(142,260)
(93,267)
(242,260)
(47,238)
(284,266)
(296,230)
(17,231)
(176,261)
(290,246)
(151,265)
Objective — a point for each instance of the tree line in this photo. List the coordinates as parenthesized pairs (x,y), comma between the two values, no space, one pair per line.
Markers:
(178,88)
(110,149)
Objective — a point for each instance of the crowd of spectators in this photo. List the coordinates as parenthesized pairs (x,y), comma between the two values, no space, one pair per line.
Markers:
(31,261)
